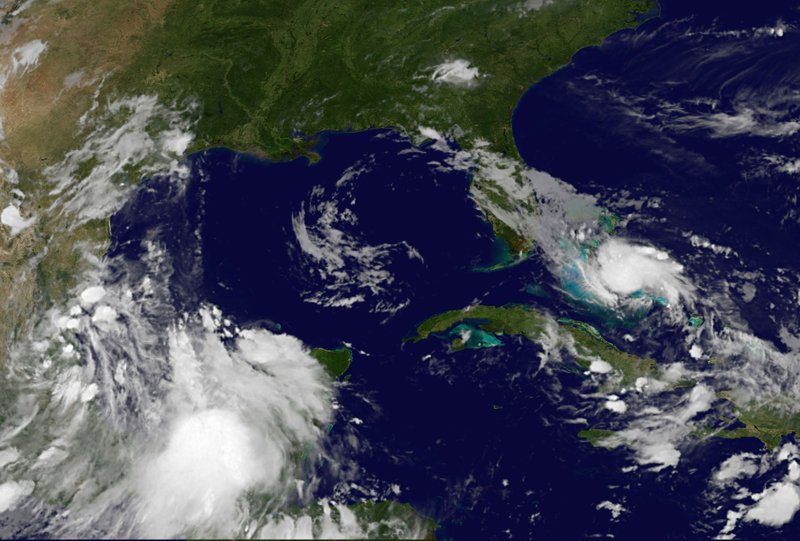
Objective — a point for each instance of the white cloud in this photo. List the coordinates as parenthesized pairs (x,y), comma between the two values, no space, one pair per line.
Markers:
(8,456)
(616,509)
(73,79)
(496,175)
(430,133)
(532,5)
(600,366)
(228,423)
(27,56)
(176,141)
(122,140)
(154,425)
(12,492)
(620,269)
(735,467)
(350,270)
(533,204)
(457,72)
(700,399)
(760,116)
(794,471)
(654,435)
(776,506)
(345,525)
(732,518)
(89,392)
(210,459)
(92,295)
(51,456)
(791,167)
(14,220)
(755,371)
(658,454)
(104,314)
(702,242)
(617,406)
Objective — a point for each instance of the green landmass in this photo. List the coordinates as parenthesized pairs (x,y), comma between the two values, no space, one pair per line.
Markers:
(595,436)
(767,421)
(512,320)
(589,343)
(380,520)
(269,74)
(532,324)
(335,361)
(387,514)
(265,71)
(264,76)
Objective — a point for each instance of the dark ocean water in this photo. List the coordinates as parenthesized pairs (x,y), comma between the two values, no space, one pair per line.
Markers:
(633,112)
(255,269)
(449,428)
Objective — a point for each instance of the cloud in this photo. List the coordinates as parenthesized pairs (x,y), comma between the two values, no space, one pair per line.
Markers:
(211,457)
(12,492)
(759,112)
(782,164)
(153,423)
(236,417)
(430,133)
(776,506)
(599,366)
(8,456)
(349,270)
(336,521)
(27,56)
(501,186)
(532,5)
(457,72)
(745,121)
(16,223)
(655,434)
(623,268)
(563,222)
(616,405)
(737,466)
(92,295)
(616,509)
(619,272)
(121,140)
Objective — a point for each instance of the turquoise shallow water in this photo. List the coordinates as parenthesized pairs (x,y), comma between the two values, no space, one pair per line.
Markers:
(483,439)
(475,338)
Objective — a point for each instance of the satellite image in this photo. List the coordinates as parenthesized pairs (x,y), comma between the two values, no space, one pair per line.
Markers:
(410,269)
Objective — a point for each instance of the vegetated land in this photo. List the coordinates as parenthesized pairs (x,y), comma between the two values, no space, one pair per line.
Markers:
(269,74)
(268,71)
(41,106)
(768,421)
(335,361)
(584,340)
(264,74)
